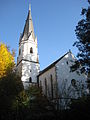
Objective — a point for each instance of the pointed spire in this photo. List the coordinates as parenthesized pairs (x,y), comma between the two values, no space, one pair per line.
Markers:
(30,17)
(29,7)
(28,28)
(36,40)
(31,28)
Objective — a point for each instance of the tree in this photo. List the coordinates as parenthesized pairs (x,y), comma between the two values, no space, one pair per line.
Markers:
(89,1)
(10,84)
(83,43)
(6,60)
(10,87)
(37,100)
(80,108)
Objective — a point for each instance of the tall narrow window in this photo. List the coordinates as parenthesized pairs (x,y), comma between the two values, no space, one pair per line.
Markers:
(51,79)
(30,80)
(31,50)
(67,62)
(40,83)
(19,51)
(45,87)
(73,82)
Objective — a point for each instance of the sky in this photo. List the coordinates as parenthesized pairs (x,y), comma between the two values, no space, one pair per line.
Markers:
(54,25)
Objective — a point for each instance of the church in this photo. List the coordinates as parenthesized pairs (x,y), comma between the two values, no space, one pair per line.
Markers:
(28,65)
(57,81)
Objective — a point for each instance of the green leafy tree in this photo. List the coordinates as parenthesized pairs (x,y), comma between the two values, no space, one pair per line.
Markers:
(80,108)
(83,43)
(37,100)
(10,86)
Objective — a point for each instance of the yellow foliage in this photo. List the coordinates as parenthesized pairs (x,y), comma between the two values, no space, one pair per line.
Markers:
(6,60)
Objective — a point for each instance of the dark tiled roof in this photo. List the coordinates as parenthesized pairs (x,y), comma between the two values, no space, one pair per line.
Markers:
(22,34)
(52,65)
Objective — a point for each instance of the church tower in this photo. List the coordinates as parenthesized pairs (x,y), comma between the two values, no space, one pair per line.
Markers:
(27,61)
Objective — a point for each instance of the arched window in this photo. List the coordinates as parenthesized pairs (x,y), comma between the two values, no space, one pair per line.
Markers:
(31,50)
(30,80)
(67,62)
(73,82)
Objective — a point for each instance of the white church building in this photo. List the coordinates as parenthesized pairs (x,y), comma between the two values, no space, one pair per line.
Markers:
(57,81)
(59,84)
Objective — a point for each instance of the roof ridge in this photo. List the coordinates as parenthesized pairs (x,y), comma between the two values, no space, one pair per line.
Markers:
(53,64)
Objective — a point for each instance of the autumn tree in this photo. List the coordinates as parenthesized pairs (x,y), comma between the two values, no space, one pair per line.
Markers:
(6,60)
(10,83)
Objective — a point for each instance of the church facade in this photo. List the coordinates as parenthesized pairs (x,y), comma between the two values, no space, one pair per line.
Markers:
(57,81)
(59,84)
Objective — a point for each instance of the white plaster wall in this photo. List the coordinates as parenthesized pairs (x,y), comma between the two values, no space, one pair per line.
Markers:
(19,69)
(29,64)
(25,49)
(30,69)
(19,58)
(46,75)
(26,53)
(64,77)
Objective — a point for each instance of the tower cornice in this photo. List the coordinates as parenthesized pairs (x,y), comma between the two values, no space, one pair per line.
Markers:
(27,61)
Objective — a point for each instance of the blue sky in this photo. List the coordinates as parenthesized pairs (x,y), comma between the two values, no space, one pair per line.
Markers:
(54,24)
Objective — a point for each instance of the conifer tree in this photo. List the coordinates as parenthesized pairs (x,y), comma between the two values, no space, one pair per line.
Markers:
(83,43)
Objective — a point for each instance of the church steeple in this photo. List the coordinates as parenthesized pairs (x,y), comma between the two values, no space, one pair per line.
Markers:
(28,62)
(28,28)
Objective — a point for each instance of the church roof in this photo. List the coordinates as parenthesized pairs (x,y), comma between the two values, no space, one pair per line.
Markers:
(28,28)
(53,64)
